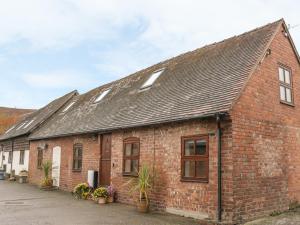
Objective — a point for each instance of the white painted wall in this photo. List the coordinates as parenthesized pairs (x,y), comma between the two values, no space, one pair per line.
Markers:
(16,159)
(1,163)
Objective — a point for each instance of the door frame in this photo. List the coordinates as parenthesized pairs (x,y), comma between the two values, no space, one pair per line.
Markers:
(100,158)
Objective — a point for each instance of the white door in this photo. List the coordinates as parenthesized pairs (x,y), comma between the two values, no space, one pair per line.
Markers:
(56,165)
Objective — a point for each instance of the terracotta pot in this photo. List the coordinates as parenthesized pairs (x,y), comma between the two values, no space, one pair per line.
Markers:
(101,200)
(110,199)
(142,206)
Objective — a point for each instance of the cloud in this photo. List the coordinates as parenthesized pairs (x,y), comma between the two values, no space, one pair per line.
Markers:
(56,79)
(170,24)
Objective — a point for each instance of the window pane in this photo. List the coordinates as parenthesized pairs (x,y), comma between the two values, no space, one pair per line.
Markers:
(281,74)
(200,147)
(135,149)
(189,168)
(127,168)
(287,76)
(189,148)
(134,166)
(282,93)
(128,149)
(79,164)
(201,167)
(288,95)
(79,152)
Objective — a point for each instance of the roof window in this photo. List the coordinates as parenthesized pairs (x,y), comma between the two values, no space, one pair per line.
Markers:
(68,106)
(152,79)
(10,129)
(28,124)
(101,96)
(21,125)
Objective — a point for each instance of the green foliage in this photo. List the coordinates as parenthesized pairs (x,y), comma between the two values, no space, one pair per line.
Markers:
(275,213)
(294,205)
(82,191)
(143,183)
(47,181)
(100,192)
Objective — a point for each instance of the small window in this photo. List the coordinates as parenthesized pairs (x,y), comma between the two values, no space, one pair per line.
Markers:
(39,158)
(28,124)
(285,88)
(152,79)
(68,106)
(21,125)
(22,155)
(131,156)
(101,96)
(194,158)
(10,155)
(77,157)
(10,129)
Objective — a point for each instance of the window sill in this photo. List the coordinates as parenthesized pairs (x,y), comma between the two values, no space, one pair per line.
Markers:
(287,103)
(129,175)
(76,171)
(194,180)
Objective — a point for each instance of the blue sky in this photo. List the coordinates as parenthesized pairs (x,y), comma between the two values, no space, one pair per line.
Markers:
(51,47)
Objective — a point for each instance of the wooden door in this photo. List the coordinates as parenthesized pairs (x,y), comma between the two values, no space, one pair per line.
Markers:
(56,155)
(105,160)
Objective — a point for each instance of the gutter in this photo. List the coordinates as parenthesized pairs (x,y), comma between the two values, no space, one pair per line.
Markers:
(219,144)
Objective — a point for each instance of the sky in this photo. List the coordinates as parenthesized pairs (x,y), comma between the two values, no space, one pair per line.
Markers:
(51,47)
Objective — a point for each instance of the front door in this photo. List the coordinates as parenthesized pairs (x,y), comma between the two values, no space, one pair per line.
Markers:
(56,165)
(105,160)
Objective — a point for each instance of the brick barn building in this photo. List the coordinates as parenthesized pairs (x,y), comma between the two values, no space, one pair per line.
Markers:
(14,143)
(219,126)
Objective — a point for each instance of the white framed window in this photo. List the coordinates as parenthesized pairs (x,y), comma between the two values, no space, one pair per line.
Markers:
(285,85)
(28,124)
(152,79)
(10,129)
(68,107)
(101,96)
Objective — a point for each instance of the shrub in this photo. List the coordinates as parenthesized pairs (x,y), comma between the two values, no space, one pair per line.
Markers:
(47,181)
(82,191)
(100,193)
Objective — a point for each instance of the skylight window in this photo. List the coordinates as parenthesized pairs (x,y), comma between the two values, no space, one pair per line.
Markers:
(21,125)
(101,96)
(69,106)
(152,79)
(28,124)
(10,129)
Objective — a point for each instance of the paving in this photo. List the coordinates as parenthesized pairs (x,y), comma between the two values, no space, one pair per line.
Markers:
(288,218)
(23,204)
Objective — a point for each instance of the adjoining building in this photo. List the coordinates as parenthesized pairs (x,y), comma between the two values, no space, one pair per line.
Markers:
(14,143)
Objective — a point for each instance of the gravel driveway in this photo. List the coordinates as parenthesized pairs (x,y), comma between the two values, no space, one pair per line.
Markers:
(22,204)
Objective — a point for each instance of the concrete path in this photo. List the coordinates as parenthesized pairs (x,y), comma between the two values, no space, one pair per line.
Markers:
(22,204)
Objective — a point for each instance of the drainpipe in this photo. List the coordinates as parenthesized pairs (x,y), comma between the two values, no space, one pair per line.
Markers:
(219,136)
(12,157)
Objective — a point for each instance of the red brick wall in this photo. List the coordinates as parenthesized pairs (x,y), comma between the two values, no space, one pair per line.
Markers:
(68,177)
(266,138)
(160,148)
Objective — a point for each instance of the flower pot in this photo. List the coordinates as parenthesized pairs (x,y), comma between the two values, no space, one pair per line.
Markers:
(142,206)
(102,200)
(110,199)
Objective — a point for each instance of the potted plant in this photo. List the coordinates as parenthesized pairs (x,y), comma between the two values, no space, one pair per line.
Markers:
(111,193)
(47,181)
(101,194)
(142,184)
(82,191)
(23,176)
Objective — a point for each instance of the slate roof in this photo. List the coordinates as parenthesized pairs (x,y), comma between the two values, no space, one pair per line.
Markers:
(37,117)
(195,84)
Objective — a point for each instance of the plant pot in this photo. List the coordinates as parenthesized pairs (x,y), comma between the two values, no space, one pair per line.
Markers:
(110,199)
(142,206)
(22,179)
(101,200)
